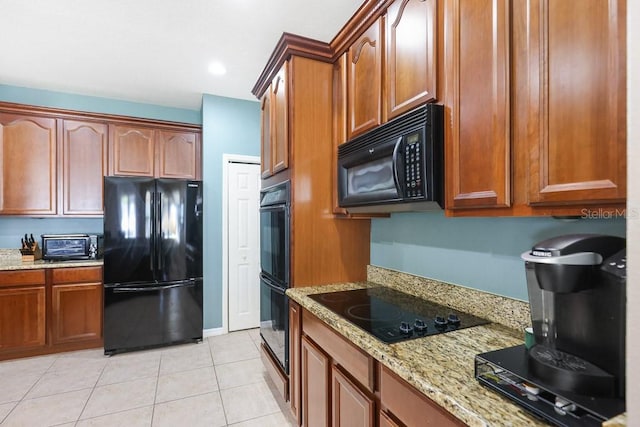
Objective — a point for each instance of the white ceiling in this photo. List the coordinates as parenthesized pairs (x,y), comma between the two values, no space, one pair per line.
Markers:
(153,51)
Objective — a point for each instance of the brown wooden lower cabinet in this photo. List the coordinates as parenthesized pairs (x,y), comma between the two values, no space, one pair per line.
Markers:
(76,304)
(22,318)
(76,312)
(386,421)
(350,406)
(336,378)
(341,386)
(410,406)
(48,311)
(315,385)
(295,324)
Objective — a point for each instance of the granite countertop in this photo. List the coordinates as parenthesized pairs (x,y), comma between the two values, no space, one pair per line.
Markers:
(10,259)
(440,366)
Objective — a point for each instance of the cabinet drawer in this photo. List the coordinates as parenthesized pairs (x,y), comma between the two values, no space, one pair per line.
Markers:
(21,277)
(353,360)
(409,405)
(77,275)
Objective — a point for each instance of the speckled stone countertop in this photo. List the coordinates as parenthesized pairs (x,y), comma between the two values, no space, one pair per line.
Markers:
(440,366)
(10,259)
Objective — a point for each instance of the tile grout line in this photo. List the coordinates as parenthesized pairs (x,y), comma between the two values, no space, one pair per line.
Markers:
(93,389)
(57,356)
(155,396)
(41,374)
(215,371)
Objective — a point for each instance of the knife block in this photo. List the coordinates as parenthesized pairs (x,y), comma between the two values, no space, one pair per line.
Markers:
(32,254)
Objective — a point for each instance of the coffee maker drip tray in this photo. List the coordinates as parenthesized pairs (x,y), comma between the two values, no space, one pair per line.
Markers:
(565,371)
(509,371)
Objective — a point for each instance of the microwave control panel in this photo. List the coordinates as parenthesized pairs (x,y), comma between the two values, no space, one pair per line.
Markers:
(413,165)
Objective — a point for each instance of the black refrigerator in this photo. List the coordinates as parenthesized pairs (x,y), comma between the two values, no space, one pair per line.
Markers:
(152,262)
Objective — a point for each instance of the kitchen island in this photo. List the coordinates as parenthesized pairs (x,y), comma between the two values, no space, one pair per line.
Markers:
(440,367)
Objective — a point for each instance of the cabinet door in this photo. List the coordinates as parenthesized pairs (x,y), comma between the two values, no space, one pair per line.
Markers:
(339,124)
(315,385)
(410,41)
(350,406)
(76,312)
(477,153)
(576,115)
(28,180)
(84,164)
(178,154)
(265,134)
(364,81)
(295,319)
(22,318)
(280,130)
(76,304)
(386,421)
(131,151)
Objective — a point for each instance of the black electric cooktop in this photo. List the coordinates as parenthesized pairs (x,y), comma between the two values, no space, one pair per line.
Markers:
(393,316)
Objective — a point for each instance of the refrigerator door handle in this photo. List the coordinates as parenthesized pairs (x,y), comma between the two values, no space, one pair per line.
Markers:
(159,234)
(152,240)
(153,288)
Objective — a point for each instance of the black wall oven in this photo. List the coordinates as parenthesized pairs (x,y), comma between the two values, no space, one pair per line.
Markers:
(274,277)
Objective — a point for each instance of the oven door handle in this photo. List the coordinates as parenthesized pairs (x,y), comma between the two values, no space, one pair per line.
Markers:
(272,285)
(275,208)
(394,161)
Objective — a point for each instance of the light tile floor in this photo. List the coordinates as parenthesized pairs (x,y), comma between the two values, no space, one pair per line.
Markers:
(219,382)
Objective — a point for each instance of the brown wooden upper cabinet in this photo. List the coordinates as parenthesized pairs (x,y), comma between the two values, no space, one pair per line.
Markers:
(477,150)
(265,134)
(364,81)
(575,105)
(178,154)
(535,97)
(84,164)
(144,151)
(131,150)
(391,67)
(275,127)
(410,61)
(28,180)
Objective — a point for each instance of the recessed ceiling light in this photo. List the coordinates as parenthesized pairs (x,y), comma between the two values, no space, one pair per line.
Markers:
(217,69)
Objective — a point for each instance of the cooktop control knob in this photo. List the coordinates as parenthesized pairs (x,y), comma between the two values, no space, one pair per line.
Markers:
(419,325)
(440,322)
(453,319)
(405,328)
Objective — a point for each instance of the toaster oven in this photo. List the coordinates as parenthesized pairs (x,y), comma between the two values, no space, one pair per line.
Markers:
(63,247)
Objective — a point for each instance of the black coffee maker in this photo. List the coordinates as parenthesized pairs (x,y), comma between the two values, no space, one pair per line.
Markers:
(577,294)
(574,374)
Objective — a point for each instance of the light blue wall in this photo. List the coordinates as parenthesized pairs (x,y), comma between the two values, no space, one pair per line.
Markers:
(229,126)
(13,228)
(480,253)
(92,104)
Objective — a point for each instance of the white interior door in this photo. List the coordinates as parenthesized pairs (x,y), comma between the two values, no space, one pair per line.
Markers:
(243,245)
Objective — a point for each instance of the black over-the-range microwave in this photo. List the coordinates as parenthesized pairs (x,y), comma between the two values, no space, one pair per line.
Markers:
(395,167)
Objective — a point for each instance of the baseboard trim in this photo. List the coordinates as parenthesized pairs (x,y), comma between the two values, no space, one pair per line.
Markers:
(212,332)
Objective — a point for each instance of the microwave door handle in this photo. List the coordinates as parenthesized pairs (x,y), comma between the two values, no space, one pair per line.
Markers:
(394,161)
